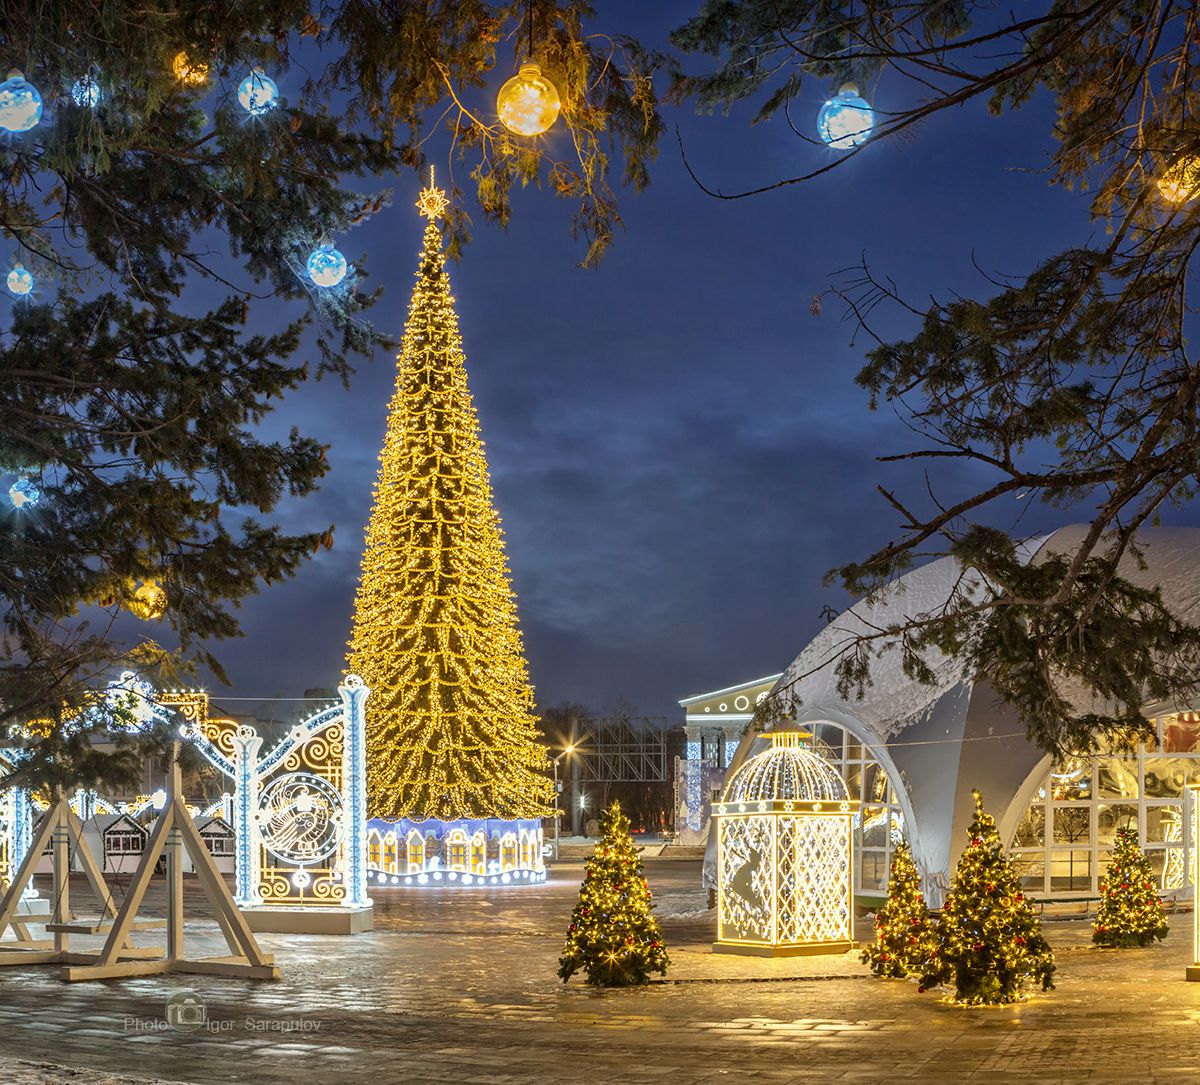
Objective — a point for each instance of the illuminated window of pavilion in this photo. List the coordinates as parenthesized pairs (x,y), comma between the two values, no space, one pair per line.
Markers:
(1064,837)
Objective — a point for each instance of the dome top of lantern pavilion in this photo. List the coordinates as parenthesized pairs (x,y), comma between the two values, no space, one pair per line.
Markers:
(788,770)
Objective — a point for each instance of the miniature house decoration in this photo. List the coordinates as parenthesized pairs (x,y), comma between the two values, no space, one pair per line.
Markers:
(784,862)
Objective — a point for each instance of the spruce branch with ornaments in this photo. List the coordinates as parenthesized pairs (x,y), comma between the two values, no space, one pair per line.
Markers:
(613,936)
(988,942)
(1131,912)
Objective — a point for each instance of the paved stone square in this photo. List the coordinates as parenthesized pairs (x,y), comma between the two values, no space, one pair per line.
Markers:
(462,988)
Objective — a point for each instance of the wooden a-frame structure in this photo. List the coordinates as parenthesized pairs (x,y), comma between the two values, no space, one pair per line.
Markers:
(174,833)
(59,829)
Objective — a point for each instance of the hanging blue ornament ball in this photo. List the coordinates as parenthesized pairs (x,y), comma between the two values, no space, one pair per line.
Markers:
(20,280)
(24,494)
(86,92)
(846,120)
(326,266)
(20,104)
(258,93)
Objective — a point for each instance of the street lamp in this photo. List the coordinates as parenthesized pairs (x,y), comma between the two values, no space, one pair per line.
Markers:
(558,791)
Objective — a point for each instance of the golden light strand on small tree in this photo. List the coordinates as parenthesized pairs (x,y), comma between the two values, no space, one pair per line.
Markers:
(1131,912)
(613,936)
(903,930)
(989,942)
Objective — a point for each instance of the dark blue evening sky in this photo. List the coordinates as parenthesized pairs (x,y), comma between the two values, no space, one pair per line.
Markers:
(677,447)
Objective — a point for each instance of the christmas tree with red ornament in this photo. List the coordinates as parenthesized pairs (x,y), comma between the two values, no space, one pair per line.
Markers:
(988,941)
(903,930)
(613,937)
(1131,911)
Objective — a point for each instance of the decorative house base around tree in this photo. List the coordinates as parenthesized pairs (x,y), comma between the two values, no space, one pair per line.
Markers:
(784,862)
(465,852)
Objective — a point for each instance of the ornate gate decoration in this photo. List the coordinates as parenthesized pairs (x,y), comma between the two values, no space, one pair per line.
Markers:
(299,813)
(17,817)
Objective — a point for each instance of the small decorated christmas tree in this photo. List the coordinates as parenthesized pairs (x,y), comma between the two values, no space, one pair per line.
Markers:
(1131,911)
(903,930)
(989,943)
(613,937)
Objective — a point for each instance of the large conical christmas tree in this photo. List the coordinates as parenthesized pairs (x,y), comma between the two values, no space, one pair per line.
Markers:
(450,733)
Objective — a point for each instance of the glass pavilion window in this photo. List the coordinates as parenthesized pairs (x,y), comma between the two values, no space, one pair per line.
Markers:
(1062,843)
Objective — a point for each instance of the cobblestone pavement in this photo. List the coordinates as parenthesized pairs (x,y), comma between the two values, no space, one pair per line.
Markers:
(462,988)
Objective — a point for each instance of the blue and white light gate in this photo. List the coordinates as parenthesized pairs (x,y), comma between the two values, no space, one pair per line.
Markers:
(299,812)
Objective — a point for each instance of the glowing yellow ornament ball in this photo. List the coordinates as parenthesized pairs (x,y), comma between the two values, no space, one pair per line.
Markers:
(192,72)
(528,103)
(1180,183)
(149,602)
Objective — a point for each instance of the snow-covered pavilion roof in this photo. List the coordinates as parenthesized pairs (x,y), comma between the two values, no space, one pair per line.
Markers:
(893,699)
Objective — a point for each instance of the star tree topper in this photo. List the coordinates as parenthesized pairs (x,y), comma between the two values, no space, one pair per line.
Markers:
(432,202)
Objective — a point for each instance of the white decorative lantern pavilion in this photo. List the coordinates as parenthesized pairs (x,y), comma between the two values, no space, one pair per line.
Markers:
(784,854)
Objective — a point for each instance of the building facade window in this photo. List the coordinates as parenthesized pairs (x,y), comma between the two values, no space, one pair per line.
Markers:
(1064,837)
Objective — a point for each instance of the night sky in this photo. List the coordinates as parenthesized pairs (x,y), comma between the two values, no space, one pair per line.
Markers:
(677,447)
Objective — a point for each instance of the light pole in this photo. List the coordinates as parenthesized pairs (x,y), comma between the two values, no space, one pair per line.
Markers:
(558,791)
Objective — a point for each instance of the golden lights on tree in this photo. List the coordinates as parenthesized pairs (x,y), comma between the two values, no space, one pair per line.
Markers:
(1131,912)
(988,941)
(613,937)
(450,732)
(903,929)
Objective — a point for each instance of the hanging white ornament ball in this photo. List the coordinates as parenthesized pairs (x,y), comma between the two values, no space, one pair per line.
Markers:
(326,266)
(24,494)
(86,92)
(846,120)
(20,280)
(20,104)
(258,93)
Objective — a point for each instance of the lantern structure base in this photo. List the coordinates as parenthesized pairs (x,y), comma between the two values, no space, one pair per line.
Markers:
(310,920)
(1193,973)
(811,949)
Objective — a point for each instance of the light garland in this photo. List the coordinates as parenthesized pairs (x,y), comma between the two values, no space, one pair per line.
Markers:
(450,732)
